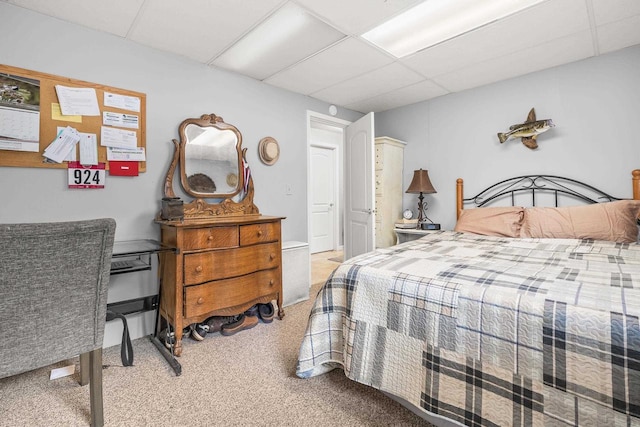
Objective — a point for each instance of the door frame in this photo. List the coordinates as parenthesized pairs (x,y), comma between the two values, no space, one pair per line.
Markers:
(315,117)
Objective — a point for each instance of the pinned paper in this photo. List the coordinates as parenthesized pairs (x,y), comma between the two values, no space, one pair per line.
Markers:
(78,101)
(113,137)
(60,147)
(126,154)
(56,114)
(110,118)
(124,102)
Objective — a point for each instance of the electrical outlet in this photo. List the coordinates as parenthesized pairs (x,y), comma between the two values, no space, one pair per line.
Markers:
(288,189)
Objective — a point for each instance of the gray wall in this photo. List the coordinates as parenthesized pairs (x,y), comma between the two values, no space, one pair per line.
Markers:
(595,104)
(176,88)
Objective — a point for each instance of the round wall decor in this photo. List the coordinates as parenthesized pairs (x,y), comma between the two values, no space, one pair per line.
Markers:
(268,150)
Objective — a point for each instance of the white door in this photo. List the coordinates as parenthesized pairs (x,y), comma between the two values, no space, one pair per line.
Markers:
(323,194)
(359,231)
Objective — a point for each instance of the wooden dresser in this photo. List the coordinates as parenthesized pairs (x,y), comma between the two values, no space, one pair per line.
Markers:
(223,267)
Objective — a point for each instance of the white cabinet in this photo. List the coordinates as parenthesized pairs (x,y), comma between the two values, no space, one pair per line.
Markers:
(389,154)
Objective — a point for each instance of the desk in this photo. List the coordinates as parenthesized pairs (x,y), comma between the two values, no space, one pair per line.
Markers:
(135,255)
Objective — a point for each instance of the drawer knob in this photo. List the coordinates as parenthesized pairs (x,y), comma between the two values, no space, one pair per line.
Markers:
(199,269)
(272,256)
(210,238)
(259,233)
(271,282)
(200,300)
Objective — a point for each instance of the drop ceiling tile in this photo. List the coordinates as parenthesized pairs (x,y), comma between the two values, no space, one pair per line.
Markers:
(344,60)
(357,16)
(606,11)
(557,52)
(382,80)
(197,29)
(619,34)
(404,96)
(529,28)
(113,17)
(286,37)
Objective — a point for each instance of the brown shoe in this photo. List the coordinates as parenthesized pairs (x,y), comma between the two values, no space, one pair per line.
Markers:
(243,322)
(216,323)
(266,312)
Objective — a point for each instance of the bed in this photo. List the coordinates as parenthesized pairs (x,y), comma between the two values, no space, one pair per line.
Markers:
(518,317)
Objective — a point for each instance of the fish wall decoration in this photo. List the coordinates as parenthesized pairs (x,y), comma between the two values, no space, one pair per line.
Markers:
(527,131)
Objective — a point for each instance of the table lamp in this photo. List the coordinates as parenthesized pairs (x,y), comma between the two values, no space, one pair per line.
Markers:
(421,184)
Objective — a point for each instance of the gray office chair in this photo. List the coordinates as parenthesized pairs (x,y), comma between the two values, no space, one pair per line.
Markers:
(53,298)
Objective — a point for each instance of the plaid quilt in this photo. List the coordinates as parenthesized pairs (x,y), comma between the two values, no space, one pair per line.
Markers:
(488,331)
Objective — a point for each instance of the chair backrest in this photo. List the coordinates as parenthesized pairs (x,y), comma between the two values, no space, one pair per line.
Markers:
(53,291)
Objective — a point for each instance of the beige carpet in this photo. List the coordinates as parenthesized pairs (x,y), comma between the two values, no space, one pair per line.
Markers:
(243,380)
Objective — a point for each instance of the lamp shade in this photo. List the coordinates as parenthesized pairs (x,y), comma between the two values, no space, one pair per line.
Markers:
(421,183)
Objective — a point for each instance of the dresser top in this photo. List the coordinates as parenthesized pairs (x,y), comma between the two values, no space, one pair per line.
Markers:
(229,220)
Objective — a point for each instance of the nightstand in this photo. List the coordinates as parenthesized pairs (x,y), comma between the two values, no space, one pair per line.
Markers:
(409,234)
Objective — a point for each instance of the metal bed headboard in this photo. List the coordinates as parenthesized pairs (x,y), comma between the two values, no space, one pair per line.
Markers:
(545,184)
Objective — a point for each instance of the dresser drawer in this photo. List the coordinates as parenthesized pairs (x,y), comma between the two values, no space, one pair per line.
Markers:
(211,238)
(259,233)
(202,299)
(225,263)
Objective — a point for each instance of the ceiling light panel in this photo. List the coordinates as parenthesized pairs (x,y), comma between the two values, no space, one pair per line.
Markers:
(286,37)
(113,17)
(356,16)
(197,29)
(435,21)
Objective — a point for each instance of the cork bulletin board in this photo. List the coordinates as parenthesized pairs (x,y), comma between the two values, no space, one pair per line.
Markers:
(51,120)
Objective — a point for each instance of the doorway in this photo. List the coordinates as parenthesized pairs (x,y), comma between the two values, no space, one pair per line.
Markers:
(325,140)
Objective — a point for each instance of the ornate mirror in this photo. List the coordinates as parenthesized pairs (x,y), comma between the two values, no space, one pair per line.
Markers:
(212,166)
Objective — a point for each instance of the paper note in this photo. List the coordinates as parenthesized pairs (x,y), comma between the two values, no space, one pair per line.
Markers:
(60,147)
(112,137)
(56,114)
(88,149)
(110,118)
(131,103)
(71,157)
(137,155)
(14,145)
(19,129)
(77,101)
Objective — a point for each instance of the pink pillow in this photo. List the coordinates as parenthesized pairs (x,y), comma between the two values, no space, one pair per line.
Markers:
(613,221)
(498,221)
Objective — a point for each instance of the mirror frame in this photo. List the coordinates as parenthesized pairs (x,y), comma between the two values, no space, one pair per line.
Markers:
(199,208)
(209,120)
